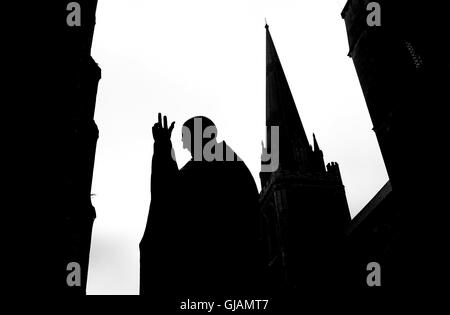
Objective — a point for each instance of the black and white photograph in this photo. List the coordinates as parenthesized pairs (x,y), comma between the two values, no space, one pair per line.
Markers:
(221,156)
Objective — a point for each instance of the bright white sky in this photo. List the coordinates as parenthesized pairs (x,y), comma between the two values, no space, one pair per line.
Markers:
(186,58)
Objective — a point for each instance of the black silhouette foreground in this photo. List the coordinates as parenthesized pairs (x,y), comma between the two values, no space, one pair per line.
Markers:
(403,68)
(54,151)
(202,230)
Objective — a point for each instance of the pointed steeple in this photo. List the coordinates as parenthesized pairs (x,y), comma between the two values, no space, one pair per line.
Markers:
(281,111)
(318,164)
(316,145)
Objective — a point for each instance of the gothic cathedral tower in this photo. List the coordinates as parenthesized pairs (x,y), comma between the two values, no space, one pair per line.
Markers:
(303,204)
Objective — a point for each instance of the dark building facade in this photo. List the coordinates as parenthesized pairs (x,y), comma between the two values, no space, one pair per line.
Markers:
(58,137)
(403,68)
(304,209)
(80,134)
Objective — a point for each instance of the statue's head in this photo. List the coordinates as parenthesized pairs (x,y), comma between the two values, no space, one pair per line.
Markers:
(197,132)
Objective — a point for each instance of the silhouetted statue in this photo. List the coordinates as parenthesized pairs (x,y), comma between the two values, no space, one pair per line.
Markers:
(202,230)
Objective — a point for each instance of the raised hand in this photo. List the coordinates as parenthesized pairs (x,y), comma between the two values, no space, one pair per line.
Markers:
(161,132)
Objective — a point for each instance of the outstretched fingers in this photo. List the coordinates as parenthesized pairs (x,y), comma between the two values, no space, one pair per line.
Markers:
(162,125)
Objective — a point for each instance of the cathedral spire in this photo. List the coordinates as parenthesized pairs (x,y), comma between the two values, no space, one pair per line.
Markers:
(318,164)
(281,111)
(316,145)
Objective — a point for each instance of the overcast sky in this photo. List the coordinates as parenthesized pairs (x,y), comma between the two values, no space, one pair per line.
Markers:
(207,57)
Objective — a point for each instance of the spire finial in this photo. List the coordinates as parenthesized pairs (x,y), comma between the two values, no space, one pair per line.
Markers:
(267,25)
